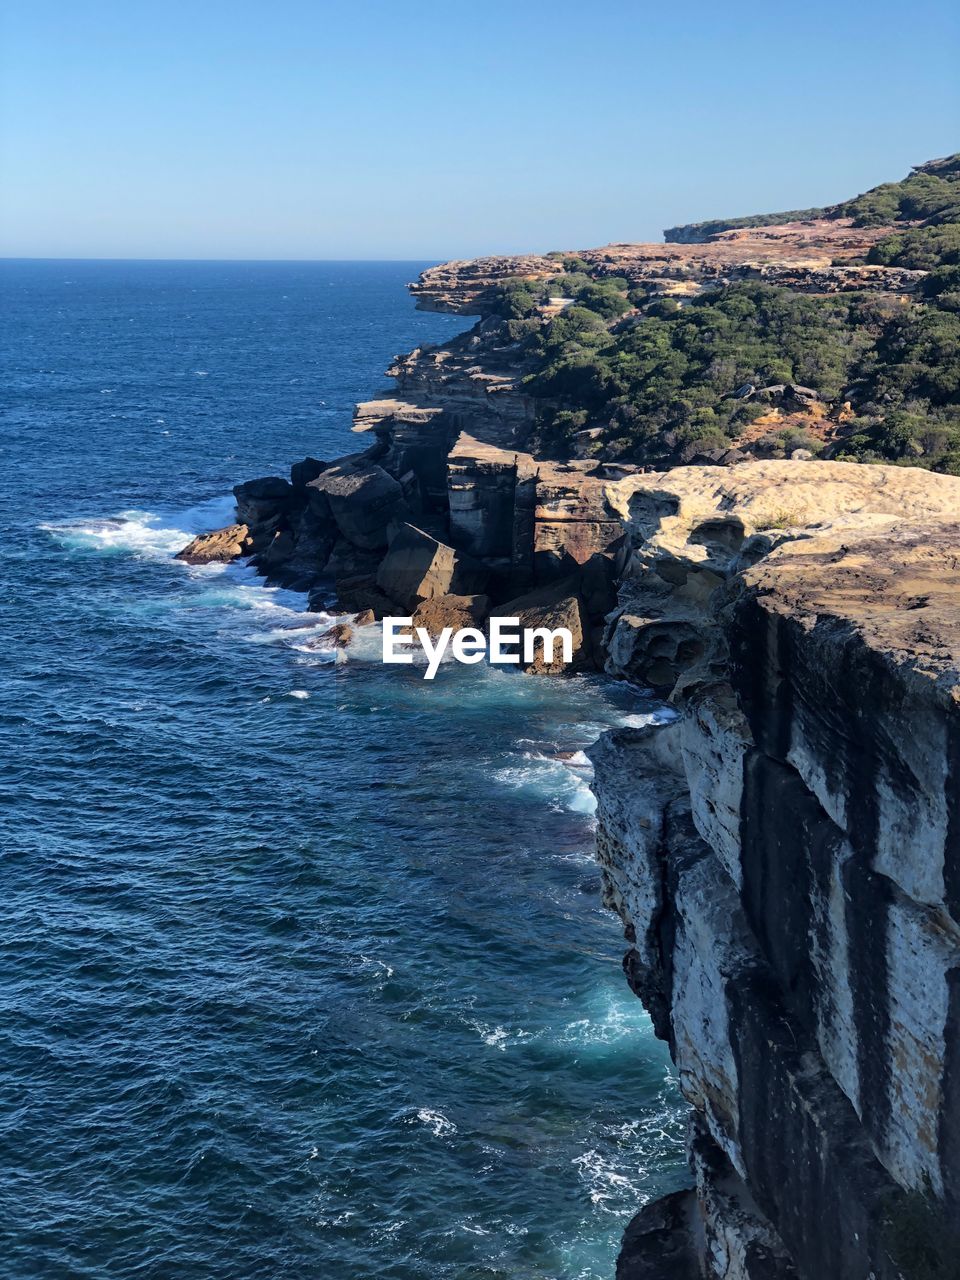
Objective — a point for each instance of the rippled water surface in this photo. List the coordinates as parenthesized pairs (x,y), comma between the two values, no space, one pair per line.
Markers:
(304,972)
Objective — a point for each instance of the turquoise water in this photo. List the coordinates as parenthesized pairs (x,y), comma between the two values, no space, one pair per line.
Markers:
(304,972)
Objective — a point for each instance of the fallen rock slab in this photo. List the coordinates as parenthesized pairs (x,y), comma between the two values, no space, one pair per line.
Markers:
(418,567)
(218,547)
(558,604)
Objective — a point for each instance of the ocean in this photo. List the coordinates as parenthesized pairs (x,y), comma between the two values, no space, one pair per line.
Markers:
(304,968)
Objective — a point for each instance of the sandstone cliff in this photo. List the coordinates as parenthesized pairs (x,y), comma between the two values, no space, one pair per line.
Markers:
(785,857)
(820,255)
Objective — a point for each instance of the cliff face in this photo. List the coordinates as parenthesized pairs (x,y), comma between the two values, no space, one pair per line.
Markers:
(785,857)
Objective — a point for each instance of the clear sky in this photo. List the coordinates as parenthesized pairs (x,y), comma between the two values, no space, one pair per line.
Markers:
(368,129)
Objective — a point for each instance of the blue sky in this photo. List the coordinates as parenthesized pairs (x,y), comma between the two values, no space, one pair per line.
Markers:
(432,130)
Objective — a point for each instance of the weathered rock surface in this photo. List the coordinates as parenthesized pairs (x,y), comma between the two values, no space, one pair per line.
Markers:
(218,547)
(690,530)
(813,255)
(459,286)
(364,499)
(785,855)
(558,604)
(339,635)
(451,611)
(417,567)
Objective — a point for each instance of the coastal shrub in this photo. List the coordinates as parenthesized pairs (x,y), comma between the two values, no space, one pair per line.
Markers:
(922,197)
(518,298)
(666,382)
(920,248)
(607,297)
(662,375)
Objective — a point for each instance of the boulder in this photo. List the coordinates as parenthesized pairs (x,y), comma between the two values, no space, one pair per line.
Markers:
(364,618)
(259,501)
(418,567)
(364,500)
(315,535)
(558,604)
(339,635)
(276,553)
(218,547)
(301,473)
(451,611)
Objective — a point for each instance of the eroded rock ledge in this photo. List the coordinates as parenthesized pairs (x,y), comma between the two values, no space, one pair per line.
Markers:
(785,857)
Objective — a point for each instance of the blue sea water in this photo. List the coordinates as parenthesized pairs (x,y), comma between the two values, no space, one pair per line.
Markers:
(304,971)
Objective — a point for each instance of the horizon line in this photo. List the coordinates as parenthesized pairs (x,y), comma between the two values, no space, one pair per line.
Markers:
(92,258)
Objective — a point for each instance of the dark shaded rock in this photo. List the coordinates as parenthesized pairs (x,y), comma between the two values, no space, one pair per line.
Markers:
(349,561)
(277,552)
(597,585)
(658,1241)
(218,547)
(361,593)
(301,473)
(259,501)
(364,500)
(315,535)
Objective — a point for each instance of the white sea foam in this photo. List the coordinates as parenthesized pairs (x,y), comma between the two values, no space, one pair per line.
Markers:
(436,1122)
(637,720)
(498,1037)
(559,782)
(376,968)
(606,1185)
(578,760)
(582,800)
(298,693)
(146,533)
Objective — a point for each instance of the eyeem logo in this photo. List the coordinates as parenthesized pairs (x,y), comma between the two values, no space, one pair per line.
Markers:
(504,643)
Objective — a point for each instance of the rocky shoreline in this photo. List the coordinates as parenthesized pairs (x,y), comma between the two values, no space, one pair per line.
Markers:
(785,854)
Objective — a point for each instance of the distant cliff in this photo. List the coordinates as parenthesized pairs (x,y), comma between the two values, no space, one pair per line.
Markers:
(658,354)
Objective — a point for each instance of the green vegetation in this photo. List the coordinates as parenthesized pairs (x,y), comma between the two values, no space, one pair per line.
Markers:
(668,381)
(520,297)
(930,194)
(920,248)
(659,380)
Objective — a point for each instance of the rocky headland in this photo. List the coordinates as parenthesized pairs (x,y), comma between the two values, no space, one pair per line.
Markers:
(785,853)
